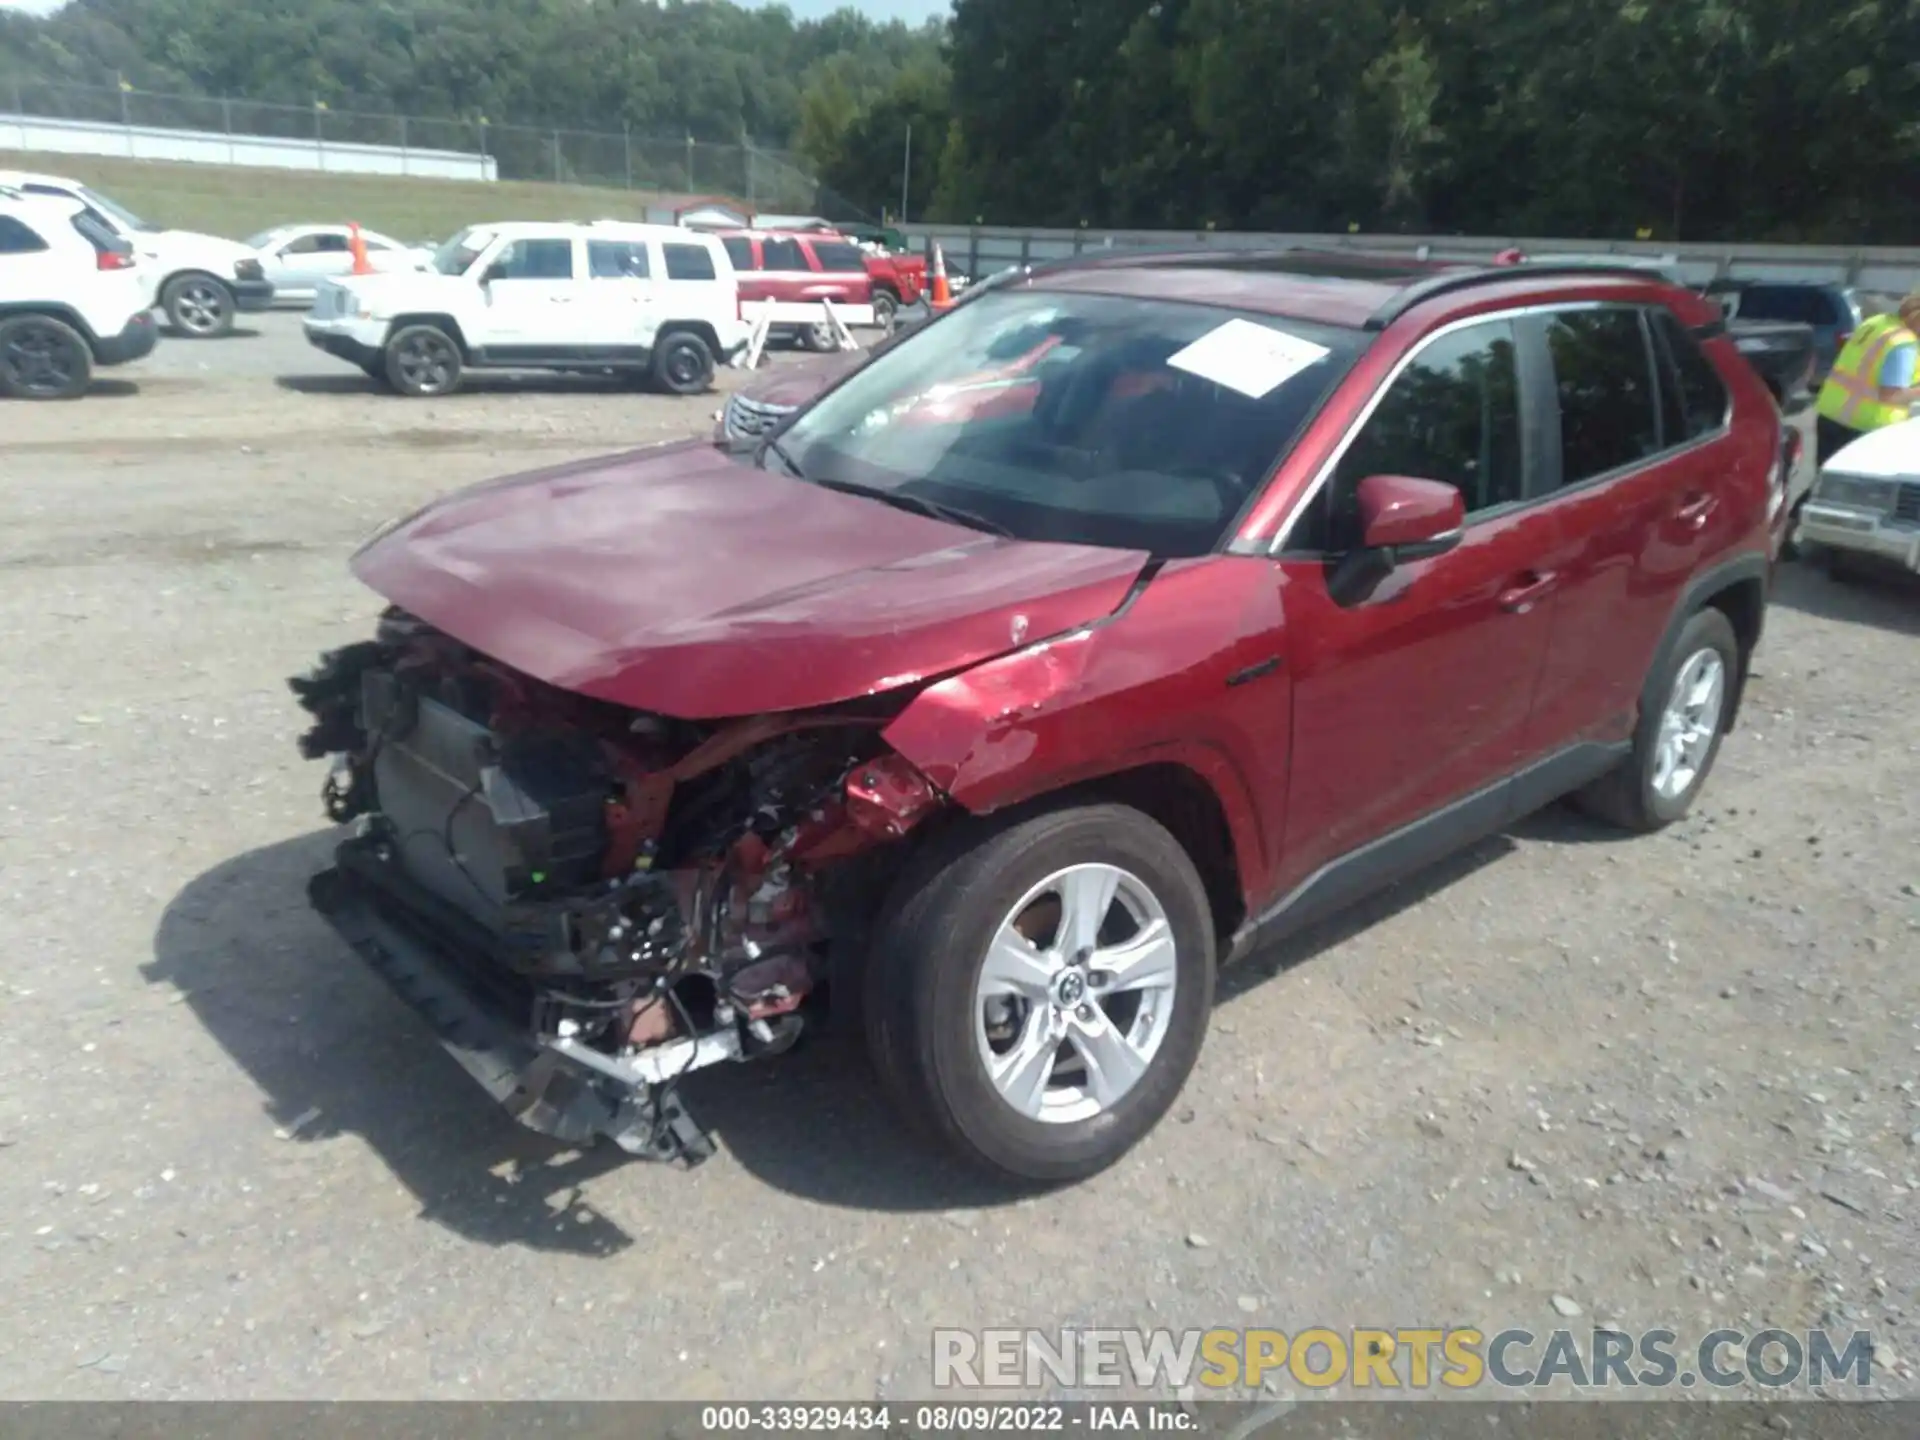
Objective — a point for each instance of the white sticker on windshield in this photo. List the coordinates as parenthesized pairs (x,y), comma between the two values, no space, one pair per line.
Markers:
(1247,357)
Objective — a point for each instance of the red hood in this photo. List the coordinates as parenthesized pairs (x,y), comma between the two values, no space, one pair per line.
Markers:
(682,582)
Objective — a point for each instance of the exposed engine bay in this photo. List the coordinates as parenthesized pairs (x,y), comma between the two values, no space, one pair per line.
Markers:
(586,902)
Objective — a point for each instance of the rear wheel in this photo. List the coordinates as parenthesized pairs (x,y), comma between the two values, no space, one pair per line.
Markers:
(198,306)
(886,305)
(1683,715)
(819,337)
(682,363)
(1038,992)
(423,361)
(42,358)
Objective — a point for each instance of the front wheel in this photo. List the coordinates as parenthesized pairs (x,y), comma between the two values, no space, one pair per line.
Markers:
(1038,992)
(423,361)
(1683,715)
(42,358)
(198,306)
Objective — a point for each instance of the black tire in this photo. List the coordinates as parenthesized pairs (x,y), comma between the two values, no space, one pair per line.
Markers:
(422,361)
(1791,548)
(198,306)
(1627,796)
(886,306)
(42,358)
(818,338)
(931,942)
(682,364)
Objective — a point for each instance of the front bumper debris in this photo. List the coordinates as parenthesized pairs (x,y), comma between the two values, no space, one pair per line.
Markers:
(560,1089)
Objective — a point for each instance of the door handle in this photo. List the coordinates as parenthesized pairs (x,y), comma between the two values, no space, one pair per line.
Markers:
(1530,590)
(1694,511)
(559,299)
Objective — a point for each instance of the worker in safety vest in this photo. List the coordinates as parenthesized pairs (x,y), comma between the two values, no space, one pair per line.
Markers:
(1872,382)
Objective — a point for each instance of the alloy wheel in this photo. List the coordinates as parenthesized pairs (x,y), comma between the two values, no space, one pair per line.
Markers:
(1689,723)
(1074,994)
(40,360)
(425,362)
(200,306)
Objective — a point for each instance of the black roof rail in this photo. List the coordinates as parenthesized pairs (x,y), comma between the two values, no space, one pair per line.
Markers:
(1421,291)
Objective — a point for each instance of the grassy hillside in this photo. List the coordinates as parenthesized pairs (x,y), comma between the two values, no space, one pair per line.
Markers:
(238,201)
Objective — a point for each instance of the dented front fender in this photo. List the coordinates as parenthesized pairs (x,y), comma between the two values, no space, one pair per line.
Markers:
(1161,682)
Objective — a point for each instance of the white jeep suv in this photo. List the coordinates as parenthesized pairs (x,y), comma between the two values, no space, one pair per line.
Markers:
(654,301)
(72,296)
(200,281)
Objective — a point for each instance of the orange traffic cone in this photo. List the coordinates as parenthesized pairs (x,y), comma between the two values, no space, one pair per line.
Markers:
(357,244)
(942,291)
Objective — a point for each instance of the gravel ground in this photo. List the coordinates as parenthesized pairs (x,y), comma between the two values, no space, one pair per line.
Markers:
(1668,1081)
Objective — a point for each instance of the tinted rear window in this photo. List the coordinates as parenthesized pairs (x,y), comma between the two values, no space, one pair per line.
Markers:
(17,238)
(835,256)
(689,262)
(740,252)
(1694,398)
(1605,385)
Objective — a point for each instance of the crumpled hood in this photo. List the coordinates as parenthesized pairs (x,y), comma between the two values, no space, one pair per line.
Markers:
(679,581)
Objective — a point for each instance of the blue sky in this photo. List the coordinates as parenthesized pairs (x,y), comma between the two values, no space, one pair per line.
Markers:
(910,10)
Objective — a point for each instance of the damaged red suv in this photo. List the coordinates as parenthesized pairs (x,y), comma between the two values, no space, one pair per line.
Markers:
(1262,581)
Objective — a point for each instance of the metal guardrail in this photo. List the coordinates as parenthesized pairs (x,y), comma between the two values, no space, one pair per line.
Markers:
(981,250)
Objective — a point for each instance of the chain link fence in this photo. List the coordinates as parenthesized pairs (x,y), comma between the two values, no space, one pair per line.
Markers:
(765,178)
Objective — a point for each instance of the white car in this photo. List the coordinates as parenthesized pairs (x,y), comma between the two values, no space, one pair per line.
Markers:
(652,300)
(296,258)
(1867,502)
(200,281)
(72,296)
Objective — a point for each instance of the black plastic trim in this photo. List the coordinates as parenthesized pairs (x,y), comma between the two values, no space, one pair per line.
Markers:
(1433,837)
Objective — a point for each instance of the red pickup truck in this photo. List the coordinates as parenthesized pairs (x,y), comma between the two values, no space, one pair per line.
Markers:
(801,270)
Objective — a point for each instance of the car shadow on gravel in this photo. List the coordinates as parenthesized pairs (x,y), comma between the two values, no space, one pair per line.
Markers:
(335,1054)
(1884,596)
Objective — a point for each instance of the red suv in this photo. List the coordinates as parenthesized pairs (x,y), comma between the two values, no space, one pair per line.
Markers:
(997,727)
(802,270)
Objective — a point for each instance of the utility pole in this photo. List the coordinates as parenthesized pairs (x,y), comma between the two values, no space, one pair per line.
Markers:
(906,173)
(689,164)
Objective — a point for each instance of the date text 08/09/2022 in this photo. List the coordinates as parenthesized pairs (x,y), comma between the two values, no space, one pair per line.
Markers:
(937,1419)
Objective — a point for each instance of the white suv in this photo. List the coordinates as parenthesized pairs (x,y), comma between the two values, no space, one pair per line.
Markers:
(651,300)
(201,281)
(72,296)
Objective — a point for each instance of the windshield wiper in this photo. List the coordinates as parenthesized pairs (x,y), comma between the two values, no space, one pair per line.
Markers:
(793,466)
(918,504)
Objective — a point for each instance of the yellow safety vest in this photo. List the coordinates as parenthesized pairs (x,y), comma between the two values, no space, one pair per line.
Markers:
(1851,394)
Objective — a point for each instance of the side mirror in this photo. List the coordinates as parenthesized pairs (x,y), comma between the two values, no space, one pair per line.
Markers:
(1403,518)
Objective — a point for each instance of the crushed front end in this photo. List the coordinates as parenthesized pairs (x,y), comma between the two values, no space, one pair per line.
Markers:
(586,903)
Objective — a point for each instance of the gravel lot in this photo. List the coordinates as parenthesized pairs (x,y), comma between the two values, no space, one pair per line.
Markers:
(1670,1081)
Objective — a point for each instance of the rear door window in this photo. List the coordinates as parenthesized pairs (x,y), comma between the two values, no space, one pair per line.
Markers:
(1693,396)
(782,255)
(689,262)
(1603,377)
(19,238)
(839,256)
(617,260)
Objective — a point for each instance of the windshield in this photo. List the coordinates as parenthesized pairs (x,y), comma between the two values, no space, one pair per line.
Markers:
(262,240)
(1087,419)
(456,256)
(126,219)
